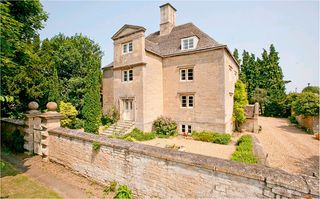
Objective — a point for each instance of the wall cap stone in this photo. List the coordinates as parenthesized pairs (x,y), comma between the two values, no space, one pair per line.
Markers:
(13,121)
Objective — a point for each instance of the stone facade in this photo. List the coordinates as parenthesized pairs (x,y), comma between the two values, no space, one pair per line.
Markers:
(156,88)
(153,172)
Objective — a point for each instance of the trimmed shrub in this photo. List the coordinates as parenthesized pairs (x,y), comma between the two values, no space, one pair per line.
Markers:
(244,150)
(312,89)
(307,104)
(205,136)
(137,134)
(222,138)
(165,126)
(123,192)
(69,113)
(209,136)
(91,103)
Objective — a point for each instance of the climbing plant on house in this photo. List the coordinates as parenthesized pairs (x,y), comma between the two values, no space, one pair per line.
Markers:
(240,102)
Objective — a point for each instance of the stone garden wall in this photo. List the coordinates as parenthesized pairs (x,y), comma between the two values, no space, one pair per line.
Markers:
(153,172)
(310,122)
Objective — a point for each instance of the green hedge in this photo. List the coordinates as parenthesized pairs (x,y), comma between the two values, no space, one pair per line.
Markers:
(244,150)
(137,134)
(209,136)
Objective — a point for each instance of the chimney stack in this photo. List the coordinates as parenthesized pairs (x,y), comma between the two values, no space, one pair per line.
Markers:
(167,18)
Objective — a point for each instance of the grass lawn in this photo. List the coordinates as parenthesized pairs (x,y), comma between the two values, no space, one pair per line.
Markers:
(14,184)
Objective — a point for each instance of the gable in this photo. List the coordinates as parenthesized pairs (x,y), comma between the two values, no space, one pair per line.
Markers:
(127,30)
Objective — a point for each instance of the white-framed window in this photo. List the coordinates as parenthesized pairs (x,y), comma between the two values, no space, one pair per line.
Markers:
(187,101)
(185,128)
(189,43)
(127,75)
(127,48)
(186,74)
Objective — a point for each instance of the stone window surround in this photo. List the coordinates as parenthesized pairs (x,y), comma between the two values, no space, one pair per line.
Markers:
(127,75)
(187,95)
(126,47)
(186,72)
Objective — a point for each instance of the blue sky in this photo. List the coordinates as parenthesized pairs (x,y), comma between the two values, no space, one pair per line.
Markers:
(292,26)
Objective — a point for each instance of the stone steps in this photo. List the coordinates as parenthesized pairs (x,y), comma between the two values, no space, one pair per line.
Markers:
(119,128)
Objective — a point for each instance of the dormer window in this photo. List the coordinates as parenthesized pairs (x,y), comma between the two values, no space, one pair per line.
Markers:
(127,48)
(189,43)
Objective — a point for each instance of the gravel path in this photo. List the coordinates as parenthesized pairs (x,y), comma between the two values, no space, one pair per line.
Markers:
(288,147)
(193,146)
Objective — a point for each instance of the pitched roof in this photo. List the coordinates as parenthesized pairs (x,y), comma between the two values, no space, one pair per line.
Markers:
(110,65)
(171,43)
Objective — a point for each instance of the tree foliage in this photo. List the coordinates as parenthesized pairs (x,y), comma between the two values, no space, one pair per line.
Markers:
(307,104)
(312,89)
(264,76)
(240,102)
(20,23)
(92,108)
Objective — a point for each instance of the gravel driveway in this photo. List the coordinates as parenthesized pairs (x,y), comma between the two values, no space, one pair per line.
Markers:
(288,147)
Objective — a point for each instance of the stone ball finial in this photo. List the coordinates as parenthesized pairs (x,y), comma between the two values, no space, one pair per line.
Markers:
(33,105)
(52,106)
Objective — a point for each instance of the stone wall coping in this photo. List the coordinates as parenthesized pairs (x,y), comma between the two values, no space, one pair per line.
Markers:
(13,121)
(305,184)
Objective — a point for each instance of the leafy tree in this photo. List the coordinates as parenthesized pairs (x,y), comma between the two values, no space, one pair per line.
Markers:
(54,88)
(312,89)
(240,102)
(307,104)
(259,96)
(20,21)
(236,56)
(288,104)
(92,107)
(71,56)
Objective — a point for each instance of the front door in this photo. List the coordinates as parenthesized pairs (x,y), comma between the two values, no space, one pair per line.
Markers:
(128,110)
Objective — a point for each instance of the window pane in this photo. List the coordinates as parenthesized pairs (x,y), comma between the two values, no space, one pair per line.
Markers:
(183,101)
(190,43)
(190,74)
(130,75)
(185,44)
(189,128)
(125,75)
(127,105)
(124,48)
(183,128)
(130,47)
(183,74)
(130,105)
(190,101)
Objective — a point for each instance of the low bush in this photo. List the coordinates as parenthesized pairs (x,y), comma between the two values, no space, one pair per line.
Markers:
(111,188)
(209,136)
(123,192)
(244,150)
(137,134)
(293,119)
(96,145)
(165,126)
(112,116)
(69,114)
(307,104)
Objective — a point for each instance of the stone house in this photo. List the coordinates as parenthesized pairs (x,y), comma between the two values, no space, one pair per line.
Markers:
(178,72)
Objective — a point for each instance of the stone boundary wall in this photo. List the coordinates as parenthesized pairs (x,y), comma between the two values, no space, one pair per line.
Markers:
(153,172)
(10,125)
(310,122)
